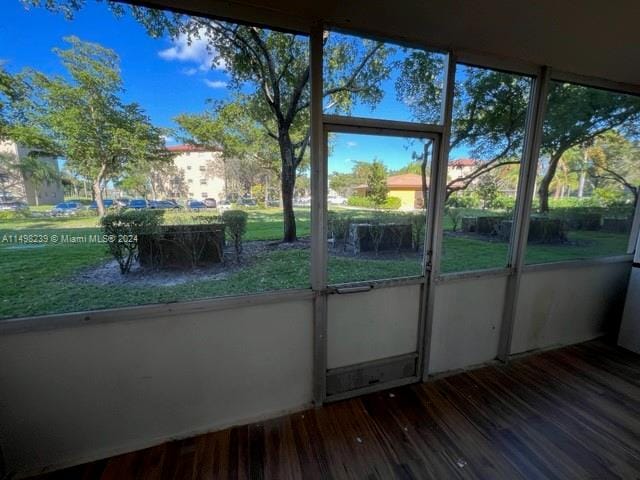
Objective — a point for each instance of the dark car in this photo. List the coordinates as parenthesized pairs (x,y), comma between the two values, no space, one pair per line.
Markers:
(106,202)
(195,205)
(165,204)
(138,204)
(247,202)
(210,202)
(13,206)
(66,209)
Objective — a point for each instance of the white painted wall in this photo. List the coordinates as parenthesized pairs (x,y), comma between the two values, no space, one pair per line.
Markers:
(570,305)
(466,322)
(83,393)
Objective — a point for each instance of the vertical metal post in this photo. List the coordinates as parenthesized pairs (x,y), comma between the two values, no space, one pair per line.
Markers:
(318,218)
(437,197)
(524,200)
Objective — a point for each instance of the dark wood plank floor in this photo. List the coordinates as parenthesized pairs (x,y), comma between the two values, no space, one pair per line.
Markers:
(569,413)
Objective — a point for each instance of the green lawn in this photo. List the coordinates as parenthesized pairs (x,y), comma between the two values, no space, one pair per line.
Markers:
(42,278)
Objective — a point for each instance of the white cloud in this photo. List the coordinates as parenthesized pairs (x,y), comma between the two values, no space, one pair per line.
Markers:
(215,83)
(352,144)
(195,51)
(189,71)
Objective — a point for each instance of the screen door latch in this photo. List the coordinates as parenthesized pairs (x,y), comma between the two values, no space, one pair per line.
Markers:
(354,289)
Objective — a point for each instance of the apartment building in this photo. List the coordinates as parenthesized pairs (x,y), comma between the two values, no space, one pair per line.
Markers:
(198,172)
(18,184)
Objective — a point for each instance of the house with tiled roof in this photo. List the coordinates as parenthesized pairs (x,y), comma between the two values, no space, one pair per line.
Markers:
(407,187)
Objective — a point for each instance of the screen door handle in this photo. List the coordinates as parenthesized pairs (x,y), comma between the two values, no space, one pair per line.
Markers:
(358,289)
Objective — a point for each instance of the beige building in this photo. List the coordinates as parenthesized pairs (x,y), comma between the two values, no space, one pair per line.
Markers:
(197,173)
(462,167)
(15,185)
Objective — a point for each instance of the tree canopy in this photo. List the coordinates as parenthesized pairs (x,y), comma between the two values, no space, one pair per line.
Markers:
(99,134)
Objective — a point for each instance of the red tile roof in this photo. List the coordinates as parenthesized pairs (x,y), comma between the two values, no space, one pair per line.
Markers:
(464,162)
(406,180)
(192,148)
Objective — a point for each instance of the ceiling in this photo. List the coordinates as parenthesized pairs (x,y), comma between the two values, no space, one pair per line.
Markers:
(589,38)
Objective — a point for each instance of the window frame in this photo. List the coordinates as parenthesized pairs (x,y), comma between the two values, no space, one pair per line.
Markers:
(318,177)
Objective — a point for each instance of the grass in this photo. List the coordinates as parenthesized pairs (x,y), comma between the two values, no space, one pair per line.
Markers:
(39,278)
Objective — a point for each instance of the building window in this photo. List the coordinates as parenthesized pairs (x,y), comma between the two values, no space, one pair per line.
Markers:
(188,167)
(190,180)
(203,181)
(204,195)
(203,168)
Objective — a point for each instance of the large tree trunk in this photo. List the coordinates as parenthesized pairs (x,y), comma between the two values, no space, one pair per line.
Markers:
(97,191)
(288,183)
(97,194)
(543,191)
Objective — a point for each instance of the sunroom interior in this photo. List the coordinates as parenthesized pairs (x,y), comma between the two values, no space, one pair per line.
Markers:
(506,353)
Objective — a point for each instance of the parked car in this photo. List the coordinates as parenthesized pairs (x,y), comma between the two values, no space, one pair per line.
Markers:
(336,200)
(138,204)
(174,203)
(210,202)
(121,202)
(247,202)
(66,209)
(165,204)
(195,205)
(302,202)
(108,203)
(13,206)
(224,205)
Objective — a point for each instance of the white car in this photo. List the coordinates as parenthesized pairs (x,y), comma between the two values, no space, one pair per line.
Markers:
(224,205)
(336,200)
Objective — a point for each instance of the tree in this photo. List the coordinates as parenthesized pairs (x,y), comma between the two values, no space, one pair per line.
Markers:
(488,188)
(377,183)
(490,110)
(99,135)
(249,154)
(615,160)
(576,115)
(275,67)
(488,116)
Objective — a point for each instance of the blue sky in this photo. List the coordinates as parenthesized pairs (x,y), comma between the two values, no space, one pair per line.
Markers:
(166,77)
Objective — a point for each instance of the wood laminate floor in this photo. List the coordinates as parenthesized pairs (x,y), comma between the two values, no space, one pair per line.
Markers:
(569,413)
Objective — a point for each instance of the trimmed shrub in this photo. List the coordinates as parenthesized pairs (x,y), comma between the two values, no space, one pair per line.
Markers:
(418,223)
(236,223)
(391,203)
(338,227)
(123,231)
(469,224)
(455,215)
(488,225)
(464,200)
(616,225)
(9,215)
(182,245)
(547,230)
